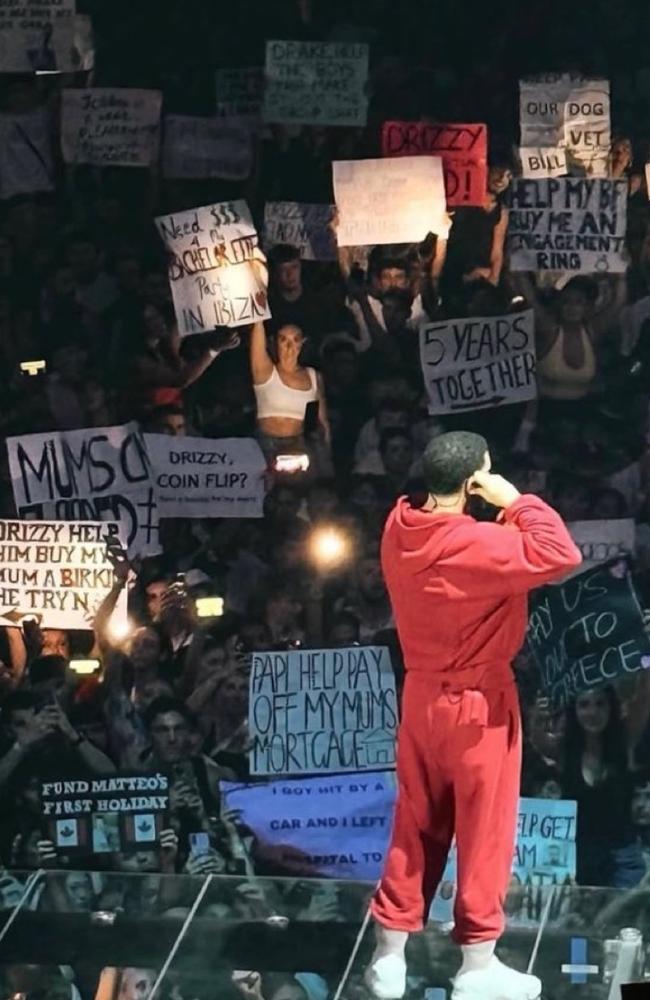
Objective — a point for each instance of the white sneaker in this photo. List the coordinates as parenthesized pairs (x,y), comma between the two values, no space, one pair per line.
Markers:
(496,982)
(386,977)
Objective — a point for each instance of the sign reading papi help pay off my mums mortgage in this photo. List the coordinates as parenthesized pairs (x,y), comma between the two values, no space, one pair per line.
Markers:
(319,711)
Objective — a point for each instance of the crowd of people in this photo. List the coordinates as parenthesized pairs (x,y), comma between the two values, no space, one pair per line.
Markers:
(335,376)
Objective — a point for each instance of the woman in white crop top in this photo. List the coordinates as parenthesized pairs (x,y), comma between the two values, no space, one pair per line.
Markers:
(282,391)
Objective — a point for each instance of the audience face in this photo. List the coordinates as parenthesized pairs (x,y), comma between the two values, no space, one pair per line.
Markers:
(573,306)
(170,736)
(641,805)
(144,649)
(79,891)
(547,728)
(370,581)
(593,712)
(499,179)
(398,456)
(392,277)
(55,643)
(288,277)
(289,343)
(173,424)
(154,593)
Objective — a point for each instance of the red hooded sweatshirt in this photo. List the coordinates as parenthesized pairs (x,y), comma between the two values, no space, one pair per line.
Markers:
(459,587)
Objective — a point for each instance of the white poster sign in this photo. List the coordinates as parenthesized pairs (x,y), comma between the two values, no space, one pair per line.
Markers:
(540,161)
(37,35)
(316,83)
(322,711)
(212,279)
(570,224)
(390,200)
(600,541)
(206,147)
(478,362)
(308,227)
(111,127)
(207,477)
(26,153)
(56,572)
(99,474)
(562,110)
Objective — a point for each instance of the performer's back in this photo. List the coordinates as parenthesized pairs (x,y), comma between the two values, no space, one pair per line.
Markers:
(459,586)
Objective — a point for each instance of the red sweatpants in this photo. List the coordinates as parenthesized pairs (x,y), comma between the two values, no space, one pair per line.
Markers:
(458,771)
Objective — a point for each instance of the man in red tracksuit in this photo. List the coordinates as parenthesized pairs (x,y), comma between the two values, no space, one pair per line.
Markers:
(459,593)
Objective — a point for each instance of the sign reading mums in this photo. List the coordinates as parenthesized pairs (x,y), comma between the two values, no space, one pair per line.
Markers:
(97,474)
(587,632)
(204,477)
(206,147)
(106,815)
(111,127)
(57,572)
(316,83)
(463,149)
(568,224)
(322,710)
(212,278)
(308,227)
(558,110)
(37,36)
(478,362)
(332,827)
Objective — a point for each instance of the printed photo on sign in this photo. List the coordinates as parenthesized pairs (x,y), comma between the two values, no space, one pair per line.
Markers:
(463,149)
(308,227)
(57,572)
(396,200)
(195,148)
(322,710)
(587,632)
(316,83)
(117,813)
(108,127)
(212,278)
(37,37)
(336,827)
(95,474)
(545,856)
(207,477)
(568,224)
(239,92)
(479,362)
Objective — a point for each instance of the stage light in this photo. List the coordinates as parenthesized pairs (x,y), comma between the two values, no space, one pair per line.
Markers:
(329,547)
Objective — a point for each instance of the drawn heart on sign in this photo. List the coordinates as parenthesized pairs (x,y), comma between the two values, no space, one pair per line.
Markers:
(260,298)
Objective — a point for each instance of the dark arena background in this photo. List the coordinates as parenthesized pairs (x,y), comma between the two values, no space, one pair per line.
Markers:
(256,258)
